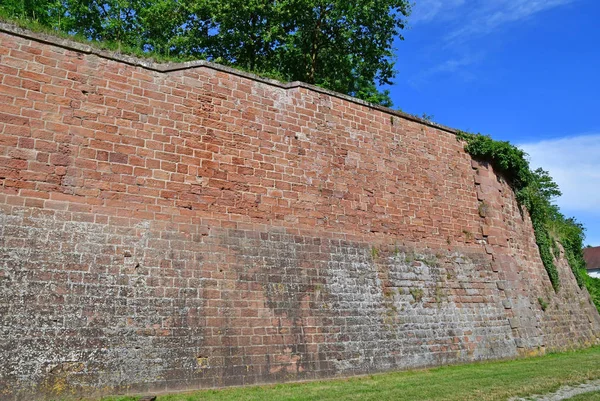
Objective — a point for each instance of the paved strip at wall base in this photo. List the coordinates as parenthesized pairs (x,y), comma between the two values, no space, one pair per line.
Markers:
(565,392)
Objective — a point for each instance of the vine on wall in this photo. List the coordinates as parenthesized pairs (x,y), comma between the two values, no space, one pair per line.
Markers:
(535,191)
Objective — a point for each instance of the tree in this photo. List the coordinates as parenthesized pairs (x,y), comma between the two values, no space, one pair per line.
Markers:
(346,46)
(342,45)
(44,12)
(105,20)
(248,33)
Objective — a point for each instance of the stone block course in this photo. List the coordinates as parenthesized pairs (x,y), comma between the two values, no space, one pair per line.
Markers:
(181,227)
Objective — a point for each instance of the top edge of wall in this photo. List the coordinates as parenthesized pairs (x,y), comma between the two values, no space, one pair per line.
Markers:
(171,67)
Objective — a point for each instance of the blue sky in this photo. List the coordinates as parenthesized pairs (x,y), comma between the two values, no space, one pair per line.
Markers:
(526,71)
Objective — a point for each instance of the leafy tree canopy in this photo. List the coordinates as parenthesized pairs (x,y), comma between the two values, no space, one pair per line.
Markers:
(342,45)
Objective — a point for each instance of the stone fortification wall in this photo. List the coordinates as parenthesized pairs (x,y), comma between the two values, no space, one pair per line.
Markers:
(186,226)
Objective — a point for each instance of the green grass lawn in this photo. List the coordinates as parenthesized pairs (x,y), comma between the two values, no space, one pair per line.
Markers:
(480,381)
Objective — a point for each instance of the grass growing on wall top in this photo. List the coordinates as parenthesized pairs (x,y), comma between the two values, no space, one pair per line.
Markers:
(535,191)
(487,381)
(36,27)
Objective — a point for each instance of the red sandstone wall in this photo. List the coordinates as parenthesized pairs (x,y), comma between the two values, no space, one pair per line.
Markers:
(198,228)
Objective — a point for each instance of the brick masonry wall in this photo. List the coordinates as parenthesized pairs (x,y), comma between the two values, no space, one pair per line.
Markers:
(196,227)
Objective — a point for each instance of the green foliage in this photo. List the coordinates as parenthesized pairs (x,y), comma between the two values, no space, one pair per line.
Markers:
(36,26)
(535,190)
(593,286)
(345,46)
(374,252)
(45,12)
(417,294)
(543,303)
(507,159)
(427,117)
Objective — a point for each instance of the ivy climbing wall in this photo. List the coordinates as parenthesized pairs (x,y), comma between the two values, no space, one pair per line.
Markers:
(185,226)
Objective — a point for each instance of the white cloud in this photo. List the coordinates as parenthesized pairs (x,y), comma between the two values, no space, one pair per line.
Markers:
(454,66)
(469,18)
(574,163)
(428,10)
(462,21)
(487,16)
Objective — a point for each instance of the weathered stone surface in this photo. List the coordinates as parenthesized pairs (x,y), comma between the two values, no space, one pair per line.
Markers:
(192,227)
